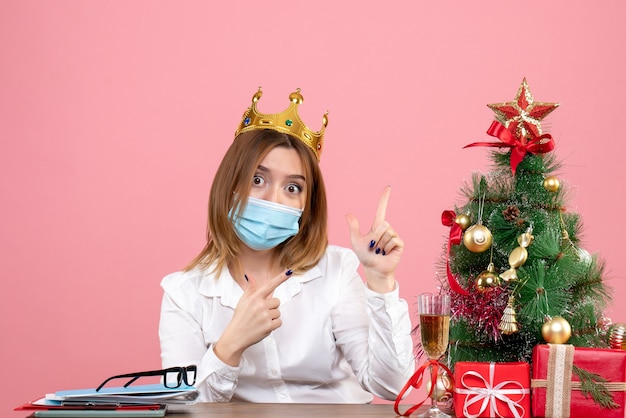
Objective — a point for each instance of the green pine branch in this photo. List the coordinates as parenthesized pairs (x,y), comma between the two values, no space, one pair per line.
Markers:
(543,291)
(592,386)
(591,284)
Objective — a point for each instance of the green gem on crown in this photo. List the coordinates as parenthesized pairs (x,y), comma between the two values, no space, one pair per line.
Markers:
(288,122)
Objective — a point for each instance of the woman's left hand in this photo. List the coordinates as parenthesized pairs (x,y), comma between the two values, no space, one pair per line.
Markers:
(379,250)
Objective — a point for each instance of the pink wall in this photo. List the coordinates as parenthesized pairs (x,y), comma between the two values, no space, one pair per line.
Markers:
(114,115)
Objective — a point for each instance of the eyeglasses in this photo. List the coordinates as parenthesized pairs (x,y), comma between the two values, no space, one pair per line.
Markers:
(173,377)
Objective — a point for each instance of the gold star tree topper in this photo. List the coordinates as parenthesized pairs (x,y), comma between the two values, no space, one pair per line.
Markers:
(522,117)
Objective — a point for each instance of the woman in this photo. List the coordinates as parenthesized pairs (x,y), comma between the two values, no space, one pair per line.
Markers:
(268,311)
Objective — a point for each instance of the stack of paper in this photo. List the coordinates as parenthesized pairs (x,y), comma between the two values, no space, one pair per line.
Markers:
(132,401)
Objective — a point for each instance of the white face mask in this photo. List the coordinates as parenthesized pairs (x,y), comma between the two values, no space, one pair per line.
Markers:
(262,224)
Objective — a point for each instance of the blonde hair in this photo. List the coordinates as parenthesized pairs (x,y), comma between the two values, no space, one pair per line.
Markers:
(231,188)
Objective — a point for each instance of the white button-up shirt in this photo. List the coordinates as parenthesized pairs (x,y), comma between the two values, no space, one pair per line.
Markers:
(339,341)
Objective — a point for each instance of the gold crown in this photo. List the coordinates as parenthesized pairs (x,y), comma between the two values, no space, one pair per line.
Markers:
(287,121)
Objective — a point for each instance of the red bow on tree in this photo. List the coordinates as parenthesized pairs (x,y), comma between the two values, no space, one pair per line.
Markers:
(519,147)
(448,219)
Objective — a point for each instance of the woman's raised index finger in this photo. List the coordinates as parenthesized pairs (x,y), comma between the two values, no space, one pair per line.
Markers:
(272,284)
(381,211)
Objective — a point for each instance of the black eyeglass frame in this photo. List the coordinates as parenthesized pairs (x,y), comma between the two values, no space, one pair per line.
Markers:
(181,376)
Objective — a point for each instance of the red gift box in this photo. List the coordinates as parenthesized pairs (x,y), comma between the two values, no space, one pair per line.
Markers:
(491,389)
(556,388)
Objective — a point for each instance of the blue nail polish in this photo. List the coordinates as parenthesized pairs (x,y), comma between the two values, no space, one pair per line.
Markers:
(245,277)
(288,273)
(377,250)
(384,253)
(372,243)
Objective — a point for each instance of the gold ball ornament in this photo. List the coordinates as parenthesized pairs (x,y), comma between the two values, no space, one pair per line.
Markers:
(551,184)
(463,221)
(487,279)
(443,389)
(477,238)
(556,330)
(617,336)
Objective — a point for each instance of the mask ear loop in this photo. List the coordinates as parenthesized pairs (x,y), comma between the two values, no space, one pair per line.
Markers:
(237,204)
(234,266)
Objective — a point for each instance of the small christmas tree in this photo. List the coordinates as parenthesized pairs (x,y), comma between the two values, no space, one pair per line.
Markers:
(513,264)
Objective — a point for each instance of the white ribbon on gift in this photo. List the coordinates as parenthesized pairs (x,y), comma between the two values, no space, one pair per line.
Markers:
(490,393)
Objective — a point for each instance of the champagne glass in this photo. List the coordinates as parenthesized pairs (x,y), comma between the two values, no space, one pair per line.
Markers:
(434,312)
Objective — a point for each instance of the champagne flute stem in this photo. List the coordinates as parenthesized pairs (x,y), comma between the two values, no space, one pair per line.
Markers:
(433,386)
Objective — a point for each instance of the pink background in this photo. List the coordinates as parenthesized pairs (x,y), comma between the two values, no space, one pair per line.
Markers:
(115,114)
